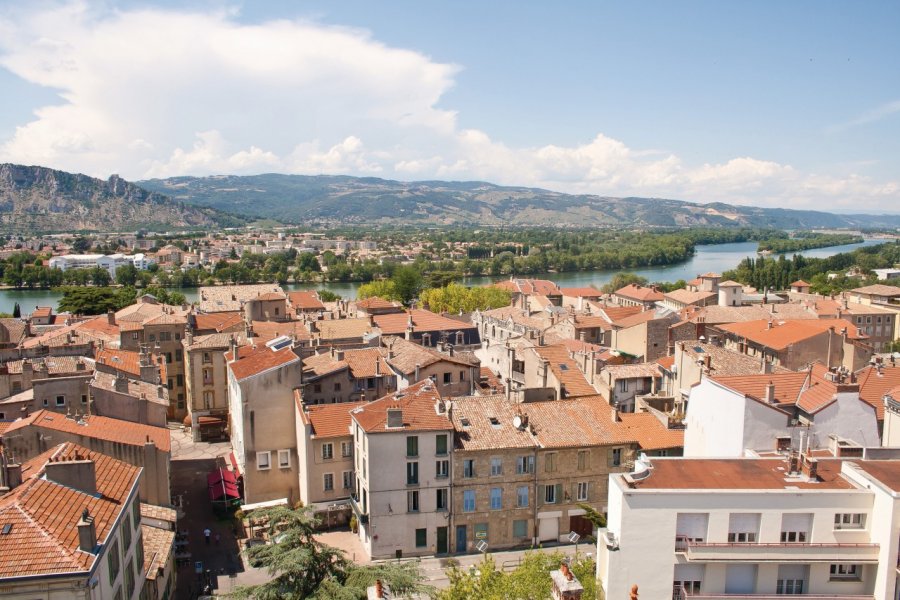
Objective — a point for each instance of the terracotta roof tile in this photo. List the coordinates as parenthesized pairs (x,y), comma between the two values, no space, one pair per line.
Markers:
(785,333)
(878,289)
(253,360)
(329,420)
(640,293)
(305,300)
(101,428)
(419,406)
(578,292)
(422,320)
(874,384)
(158,545)
(737,474)
(218,321)
(343,329)
(650,433)
(566,370)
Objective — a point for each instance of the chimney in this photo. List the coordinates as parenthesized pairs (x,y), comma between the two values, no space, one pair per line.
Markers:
(565,586)
(111,317)
(234,349)
(395,417)
(418,372)
(87,533)
(338,354)
(769,325)
(121,385)
(79,474)
(378,366)
(545,366)
(770,392)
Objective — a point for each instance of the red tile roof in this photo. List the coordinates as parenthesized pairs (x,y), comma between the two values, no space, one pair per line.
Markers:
(785,333)
(423,320)
(566,370)
(41,311)
(43,538)
(305,300)
(101,428)
(578,292)
(218,321)
(737,474)
(328,420)
(374,302)
(650,433)
(419,404)
(253,360)
(873,385)
(640,293)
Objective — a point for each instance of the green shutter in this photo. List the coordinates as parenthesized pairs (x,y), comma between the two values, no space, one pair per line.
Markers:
(541,495)
(559,494)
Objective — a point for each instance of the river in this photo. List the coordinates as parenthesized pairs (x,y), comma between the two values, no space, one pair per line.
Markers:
(715,258)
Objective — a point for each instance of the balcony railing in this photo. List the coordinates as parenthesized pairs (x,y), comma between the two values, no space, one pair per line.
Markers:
(683,594)
(776,552)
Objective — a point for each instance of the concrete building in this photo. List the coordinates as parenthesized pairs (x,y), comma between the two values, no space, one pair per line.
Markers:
(638,295)
(71,527)
(402,447)
(206,381)
(261,382)
(110,263)
(729,415)
(143,446)
(453,373)
(520,471)
(349,375)
(759,527)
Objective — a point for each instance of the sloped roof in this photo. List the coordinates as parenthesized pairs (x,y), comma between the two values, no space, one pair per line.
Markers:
(43,538)
(422,320)
(874,384)
(305,300)
(328,420)
(218,321)
(419,406)
(784,333)
(253,360)
(878,289)
(343,329)
(650,433)
(565,369)
(577,292)
(101,428)
(640,293)
(406,355)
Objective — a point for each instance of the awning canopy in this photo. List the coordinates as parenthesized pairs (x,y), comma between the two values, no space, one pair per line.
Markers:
(234,464)
(222,486)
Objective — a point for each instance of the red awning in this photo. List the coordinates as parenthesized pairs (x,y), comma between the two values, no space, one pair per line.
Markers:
(222,485)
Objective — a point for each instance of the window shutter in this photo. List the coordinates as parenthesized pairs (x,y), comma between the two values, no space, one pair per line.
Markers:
(541,494)
(559,496)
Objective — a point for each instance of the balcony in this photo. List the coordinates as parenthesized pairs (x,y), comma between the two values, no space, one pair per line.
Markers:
(706,552)
(680,593)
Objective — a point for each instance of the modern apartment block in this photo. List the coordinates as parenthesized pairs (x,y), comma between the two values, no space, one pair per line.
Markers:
(753,528)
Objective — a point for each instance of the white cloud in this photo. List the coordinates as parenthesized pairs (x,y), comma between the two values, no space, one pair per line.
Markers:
(870,116)
(156,92)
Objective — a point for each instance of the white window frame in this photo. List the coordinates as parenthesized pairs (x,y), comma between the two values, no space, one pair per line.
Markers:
(582,491)
(327,451)
(346,449)
(282,465)
(442,469)
(520,496)
(845,572)
(849,521)
(347,479)
(496,466)
(267,459)
(325,479)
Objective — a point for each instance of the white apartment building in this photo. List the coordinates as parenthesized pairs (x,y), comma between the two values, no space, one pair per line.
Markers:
(753,528)
(110,262)
(402,448)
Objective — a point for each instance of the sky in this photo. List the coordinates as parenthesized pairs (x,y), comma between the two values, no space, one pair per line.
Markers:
(777,104)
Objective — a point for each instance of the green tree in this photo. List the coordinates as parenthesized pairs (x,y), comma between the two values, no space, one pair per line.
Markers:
(328,296)
(407,283)
(307,261)
(383,288)
(17,311)
(127,275)
(95,300)
(300,566)
(455,298)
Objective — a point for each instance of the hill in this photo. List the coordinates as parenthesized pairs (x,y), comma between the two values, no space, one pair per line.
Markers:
(344,199)
(38,199)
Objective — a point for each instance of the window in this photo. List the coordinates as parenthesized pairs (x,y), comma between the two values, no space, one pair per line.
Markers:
(171,383)
(370,383)
(617,457)
(522,496)
(207,358)
(690,587)
(180,380)
(317,388)
(134,335)
(462,375)
(850,521)
(496,498)
(129,579)
(845,571)
(582,460)
(46,402)
(582,491)
(469,501)
(328,482)
(742,537)
(165,336)
(524,464)
(421,538)
(412,501)
(622,385)
(126,532)
(551,493)
(152,337)
(284,459)
(168,358)
(209,399)
(60,400)
(263,461)
(136,516)
(347,477)
(441,499)
(412,473)
(84,398)
(795,528)
(468,468)
(448,377)
(442,468)
(346,449)
(113,562)
(412,445)
(327,451)
(793,537)
(207,376)
(520,528)
(550,462)
(496,466)
(789,586)
(179,355)
(440,444)
(337,387)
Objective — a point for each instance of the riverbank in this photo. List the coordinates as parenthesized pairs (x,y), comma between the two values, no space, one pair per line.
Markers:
(706,258)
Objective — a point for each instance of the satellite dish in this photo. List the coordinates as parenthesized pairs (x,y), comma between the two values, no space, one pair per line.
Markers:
(517,422)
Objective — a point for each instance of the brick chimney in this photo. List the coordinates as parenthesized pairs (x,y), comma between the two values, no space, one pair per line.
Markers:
(564,584)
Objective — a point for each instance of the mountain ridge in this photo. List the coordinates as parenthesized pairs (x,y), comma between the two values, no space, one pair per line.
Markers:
(348,199)
(40,199)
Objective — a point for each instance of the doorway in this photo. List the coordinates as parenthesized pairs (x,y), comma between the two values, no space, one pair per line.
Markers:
(461,538)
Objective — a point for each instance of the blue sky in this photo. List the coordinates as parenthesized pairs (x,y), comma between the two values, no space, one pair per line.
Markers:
(769,103)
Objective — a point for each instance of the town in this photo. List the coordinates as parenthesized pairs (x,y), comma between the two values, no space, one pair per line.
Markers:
(739,441)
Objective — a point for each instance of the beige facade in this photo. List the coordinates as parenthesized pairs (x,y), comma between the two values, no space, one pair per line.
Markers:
(206,379)
(325,450)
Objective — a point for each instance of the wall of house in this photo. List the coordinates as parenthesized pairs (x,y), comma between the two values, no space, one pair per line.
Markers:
(197,386)
(714,421)
(645,525)
(73,390)
(849,417)
(263,420)
(124,406)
